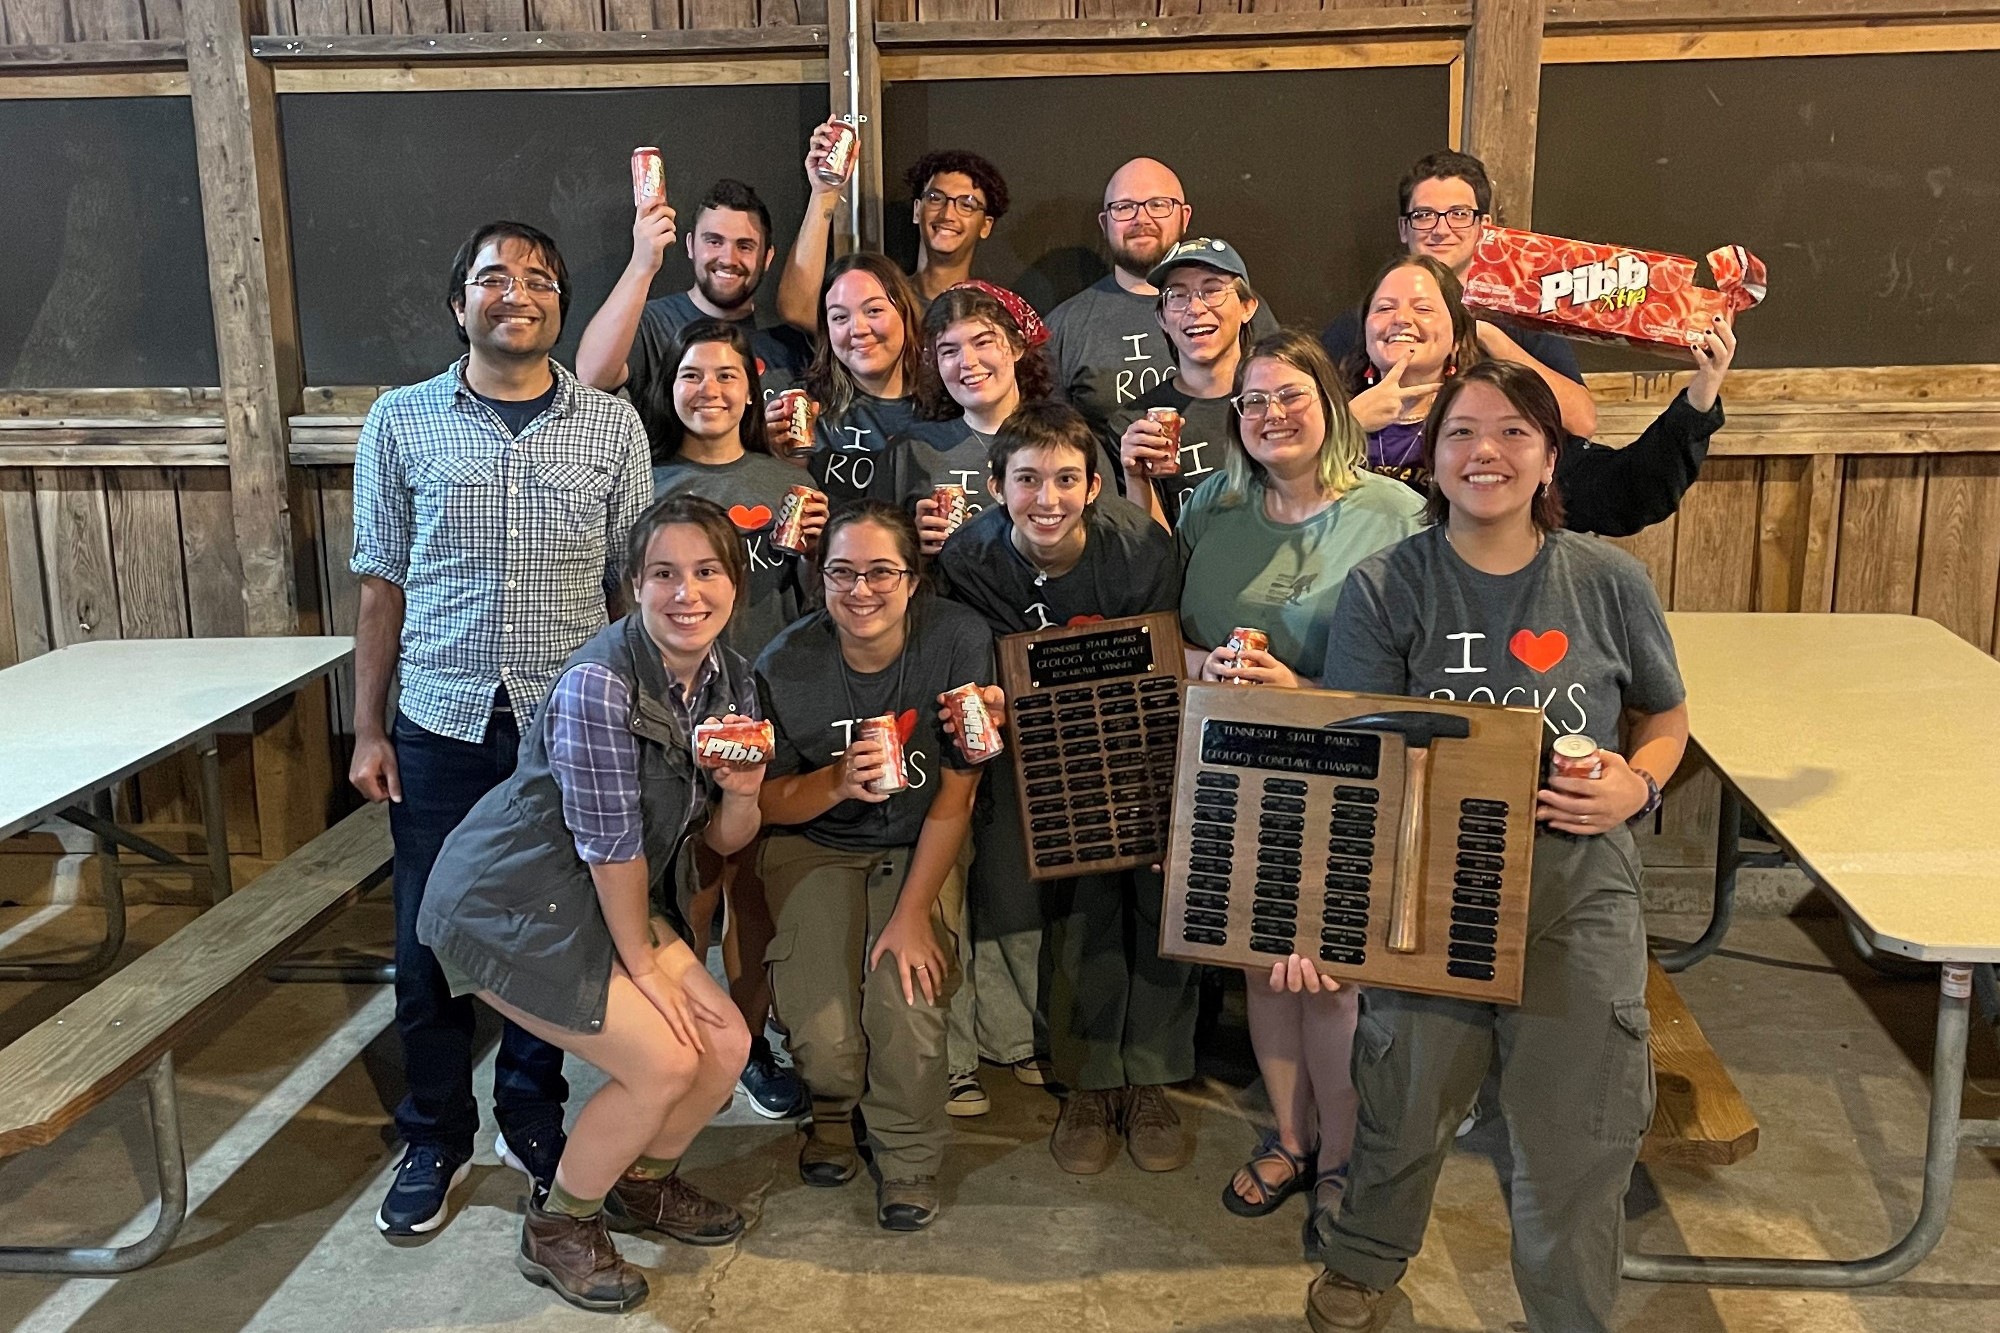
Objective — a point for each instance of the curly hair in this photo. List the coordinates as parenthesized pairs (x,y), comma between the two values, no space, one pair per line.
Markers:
(986,177)
(1031,369)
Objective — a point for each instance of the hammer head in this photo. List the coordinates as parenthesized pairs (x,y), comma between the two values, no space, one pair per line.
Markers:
(1418,729)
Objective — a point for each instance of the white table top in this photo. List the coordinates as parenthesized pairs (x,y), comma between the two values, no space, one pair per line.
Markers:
(1870,747)
(78,719)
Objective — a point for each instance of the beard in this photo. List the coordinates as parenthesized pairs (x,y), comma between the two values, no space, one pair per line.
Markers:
(1142,252)
(726,291)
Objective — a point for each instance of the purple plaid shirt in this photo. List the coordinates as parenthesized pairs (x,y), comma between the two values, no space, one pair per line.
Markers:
(595,758)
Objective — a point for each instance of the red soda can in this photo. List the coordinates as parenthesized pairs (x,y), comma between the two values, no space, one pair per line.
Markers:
(801,416)
(838,164)
(883,728)
(950,502)
(1242,638)
(1575,756)
(788,533)
(649,178)
(734,742)
(1170,421)
(978,739)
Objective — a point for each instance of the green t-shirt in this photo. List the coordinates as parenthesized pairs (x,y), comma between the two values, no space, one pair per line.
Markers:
(1241,568)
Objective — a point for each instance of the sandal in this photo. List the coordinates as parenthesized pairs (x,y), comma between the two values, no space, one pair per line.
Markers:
(1315,1209)
(1270,1197)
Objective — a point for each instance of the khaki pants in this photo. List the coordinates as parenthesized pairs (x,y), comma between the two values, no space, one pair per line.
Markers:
(853,1038)
(1000,939)
(1576,1090)
(1119,1014)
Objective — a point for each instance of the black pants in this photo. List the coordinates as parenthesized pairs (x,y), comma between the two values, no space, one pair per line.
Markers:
(442,780)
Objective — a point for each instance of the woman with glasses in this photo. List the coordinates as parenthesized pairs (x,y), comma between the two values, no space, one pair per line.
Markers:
(1267,544)
(862,963)
(1205,306)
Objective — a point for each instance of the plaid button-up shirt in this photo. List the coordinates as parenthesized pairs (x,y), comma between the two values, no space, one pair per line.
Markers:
(504,547)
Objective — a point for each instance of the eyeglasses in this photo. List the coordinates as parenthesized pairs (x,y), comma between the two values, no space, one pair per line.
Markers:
(1254,406)
(968,204)
(1211,295)
(1159,206)
(1426,219)
(882,578)
(499,284)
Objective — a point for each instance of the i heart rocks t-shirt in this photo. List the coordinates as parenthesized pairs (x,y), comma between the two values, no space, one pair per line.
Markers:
(813,702)
(752,489)
(1577,633)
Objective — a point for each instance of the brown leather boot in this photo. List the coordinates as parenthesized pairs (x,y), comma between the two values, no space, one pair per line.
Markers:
(907,1205)
(1337,1304)
(574,1257)
(828,1158)
(673,1208)
(1086,1135)
(1153,1131)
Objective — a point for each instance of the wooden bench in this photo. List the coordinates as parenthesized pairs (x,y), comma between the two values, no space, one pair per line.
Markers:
(131,1021)
(1699,1118)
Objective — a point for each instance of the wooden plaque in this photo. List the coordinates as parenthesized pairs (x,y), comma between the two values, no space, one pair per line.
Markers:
(1289,829)
(1095,711)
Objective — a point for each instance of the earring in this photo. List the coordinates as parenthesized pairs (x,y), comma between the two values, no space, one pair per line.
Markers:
(1369,374)
(1450,367)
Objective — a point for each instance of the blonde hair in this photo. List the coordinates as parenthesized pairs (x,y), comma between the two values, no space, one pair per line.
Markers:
(1341,453)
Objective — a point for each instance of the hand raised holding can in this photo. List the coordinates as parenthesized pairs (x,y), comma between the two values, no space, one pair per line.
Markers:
(1145,448)
(790,421)
(830,157)
(938,515)
(973,715)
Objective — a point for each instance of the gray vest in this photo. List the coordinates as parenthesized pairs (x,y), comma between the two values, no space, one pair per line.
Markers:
(510,903)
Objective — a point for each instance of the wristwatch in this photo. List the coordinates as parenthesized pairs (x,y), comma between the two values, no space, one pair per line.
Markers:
(1652,798)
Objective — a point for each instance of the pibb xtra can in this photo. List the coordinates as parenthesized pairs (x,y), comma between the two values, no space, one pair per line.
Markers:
(978,739)
(789,532)
(883,729)
(649,178)
(1243,637)
(734,742)
(950,502)
(801,416)
(1575,756)
(1170,421)
(838,164)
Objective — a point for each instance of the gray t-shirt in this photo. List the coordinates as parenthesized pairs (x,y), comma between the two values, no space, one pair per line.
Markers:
(813,699)
(850,456)
(916,464)
(782,356)
(752,488)
(1577,633)
(1107,348)
(1204,441)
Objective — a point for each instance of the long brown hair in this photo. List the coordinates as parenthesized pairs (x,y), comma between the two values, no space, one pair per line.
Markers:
(696,513)
(1357,372)
(1532,399)
(829,382)
(954,304)
(892,521)
(673,431)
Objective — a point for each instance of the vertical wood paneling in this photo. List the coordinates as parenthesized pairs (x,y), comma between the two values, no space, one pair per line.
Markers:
(1824,480)
(146,553)
(23,587)
(942,11)
(1117,9)
(1881,525)
(719,13)
(410,15)
(489,15)
(577,15)
(1781,544)
(641,15)
(107,20)
(9,649)
(1041,9)
(1715,547)
(163,19)
(208,551)
(280,20)
(345,17)
(1654,548)
(34,22)
(341,588)
(1958,576)
(76,555)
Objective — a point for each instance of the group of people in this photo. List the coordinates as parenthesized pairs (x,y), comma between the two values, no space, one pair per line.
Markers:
(565,584)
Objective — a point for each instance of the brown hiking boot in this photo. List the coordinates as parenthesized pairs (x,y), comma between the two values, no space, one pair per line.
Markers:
(673,1208)
(907,1205)
(828,1158)
(1336,1304)
(1153,1131)
(574,1257)
(1086,1135)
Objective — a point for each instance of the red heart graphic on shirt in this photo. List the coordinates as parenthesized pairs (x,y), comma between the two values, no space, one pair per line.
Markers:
(762,369)
(906,722)
(1540,651)
(747,519)
(1083,620)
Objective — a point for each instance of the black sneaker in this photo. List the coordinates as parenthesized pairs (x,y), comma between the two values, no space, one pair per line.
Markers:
(533,1152)
(775,1092)
(416,1201)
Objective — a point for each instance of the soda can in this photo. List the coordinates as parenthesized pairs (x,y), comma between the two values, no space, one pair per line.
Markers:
(734,742)
(950,502)
(1242,638)
(1170,421)
(801,417)
(788,533)
(1575,756)
(838,164)
(978,739)
(649,178)
(883,728)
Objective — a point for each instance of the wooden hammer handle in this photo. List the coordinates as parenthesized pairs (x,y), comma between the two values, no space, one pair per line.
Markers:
(1407,894)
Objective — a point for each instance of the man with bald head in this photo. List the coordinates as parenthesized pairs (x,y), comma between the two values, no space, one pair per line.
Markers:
(1105,343)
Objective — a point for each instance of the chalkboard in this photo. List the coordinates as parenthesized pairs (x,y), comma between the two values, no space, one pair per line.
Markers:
(385,186)
(1297,169)
(1870,186)
(107,272)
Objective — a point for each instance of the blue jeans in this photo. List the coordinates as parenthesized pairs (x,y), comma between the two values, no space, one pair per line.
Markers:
(442,780)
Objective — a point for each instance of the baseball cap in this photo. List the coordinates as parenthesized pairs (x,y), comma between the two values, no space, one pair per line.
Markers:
(1204,250)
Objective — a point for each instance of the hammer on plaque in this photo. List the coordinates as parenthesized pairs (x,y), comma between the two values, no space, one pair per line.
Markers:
(1418,730)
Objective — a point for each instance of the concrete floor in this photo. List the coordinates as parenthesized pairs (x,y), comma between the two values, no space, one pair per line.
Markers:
(283,1110)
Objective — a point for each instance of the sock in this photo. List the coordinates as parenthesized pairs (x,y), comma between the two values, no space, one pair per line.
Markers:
(562,1201)
(652,1168)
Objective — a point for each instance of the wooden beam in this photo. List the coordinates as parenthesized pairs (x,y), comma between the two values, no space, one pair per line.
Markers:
(87,81)
(1450,19)
(1503,94)
(1569,16)
(64,55)
(910,66)
(854,88)
(487,47)
(410,77)
(1617,46)
(244,221)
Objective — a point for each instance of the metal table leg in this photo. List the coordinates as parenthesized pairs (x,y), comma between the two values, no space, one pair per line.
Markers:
(1728,859)
(107,950)
(1947,1132)
(171,1161)
(214,822)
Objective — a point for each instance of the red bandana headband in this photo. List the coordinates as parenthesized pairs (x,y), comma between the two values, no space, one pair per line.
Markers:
(1033,331)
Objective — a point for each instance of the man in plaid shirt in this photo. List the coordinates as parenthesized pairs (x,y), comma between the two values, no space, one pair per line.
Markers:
(491,508)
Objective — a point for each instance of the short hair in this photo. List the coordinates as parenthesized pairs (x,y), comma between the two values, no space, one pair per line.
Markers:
(660,388)
(1245,294)
(826,379)
(1342,454)
(540,241)
(1357,371)
(1031,369)
(1446,166)
(696,512)
(737,197)
(1530,397)
(1043,425)
(892,520)
(985,176)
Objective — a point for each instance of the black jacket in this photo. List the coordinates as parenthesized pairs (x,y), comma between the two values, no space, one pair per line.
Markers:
(1617,492)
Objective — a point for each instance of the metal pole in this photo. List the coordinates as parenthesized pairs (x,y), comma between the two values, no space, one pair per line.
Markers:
(854,190)
(108,948)
(1728,859)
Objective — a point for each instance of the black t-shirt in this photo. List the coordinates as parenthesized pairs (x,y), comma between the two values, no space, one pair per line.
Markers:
(1342,337)
(1129,567)
(850,449)
(1204,440)
(782,352)
(813,699)
(916,464)
(516,413)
